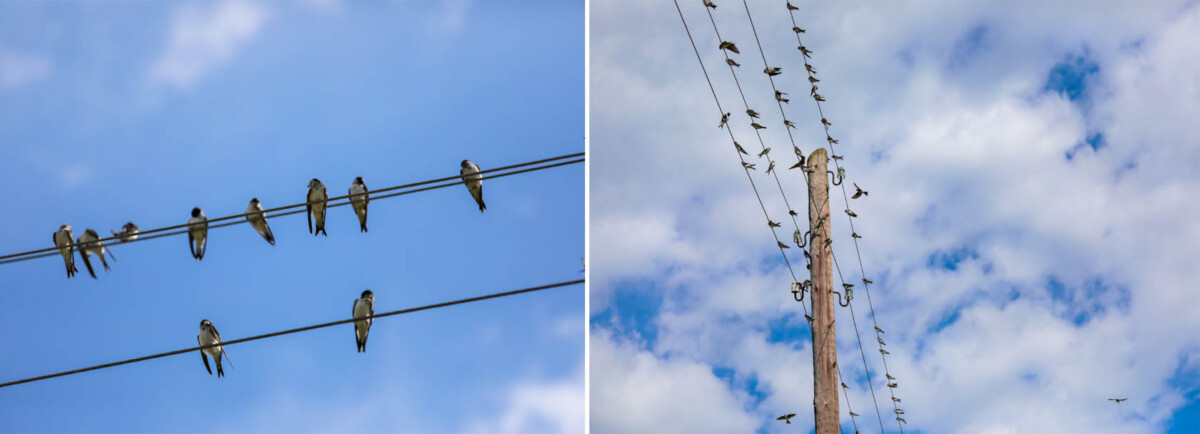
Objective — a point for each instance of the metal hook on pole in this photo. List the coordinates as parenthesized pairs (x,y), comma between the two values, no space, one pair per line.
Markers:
(846,301)
(799,288)
(800,241)
(836,179)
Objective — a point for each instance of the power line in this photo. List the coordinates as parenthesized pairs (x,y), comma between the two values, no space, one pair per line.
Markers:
(373,195)
(297,330)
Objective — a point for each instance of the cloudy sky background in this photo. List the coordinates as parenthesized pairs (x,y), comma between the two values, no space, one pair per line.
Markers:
(1031,225)
(139,111)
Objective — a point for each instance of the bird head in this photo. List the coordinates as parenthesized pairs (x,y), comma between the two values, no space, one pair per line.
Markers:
(64,227)
(254,201)
(314,183)
(196,212)
(205,325)
(358,180)
(368,295)
(466,163)
(129,226)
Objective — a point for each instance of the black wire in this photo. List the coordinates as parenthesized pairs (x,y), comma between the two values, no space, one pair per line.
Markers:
(296,330)
(373,195)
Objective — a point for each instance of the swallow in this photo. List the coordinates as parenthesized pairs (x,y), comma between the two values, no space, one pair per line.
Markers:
(788,124)
(793,213)
(813,91)
(798,165)
(804,50)
(757,126)
(828,242)
(892,384)
(818,97)
(851,213)
(853,414)
(829,139)
(798,152)
(859,192)
(878,329)
(710,4)
(209,336)
(890,377)
(797,30)
(885,352)
(826,122)
(730,62)
(254,215)
(724,120)
(787,418)
(739,149)
(867,281)
(855,235)
(89,244)
(809,318)
(779,96)
(847,285)
(317,201)
(726,45)
(129,232)
(881,342)
(782,245)
(1116,400)
(810,68)
(198,233)
(773,71)
(363,307)
(474,181)
(895,399)
(772,224)
(359,201)
(836,157)
(747,165)
(844,386)
(765,151)
(771,167)
(902,420)
(792,7)
(65,243)
(752,113)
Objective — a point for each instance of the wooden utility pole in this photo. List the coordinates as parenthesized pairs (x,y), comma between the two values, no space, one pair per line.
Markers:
(825,384)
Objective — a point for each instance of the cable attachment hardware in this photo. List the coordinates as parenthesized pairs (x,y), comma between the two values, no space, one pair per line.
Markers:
(800,240)
(799,288)
(836,179)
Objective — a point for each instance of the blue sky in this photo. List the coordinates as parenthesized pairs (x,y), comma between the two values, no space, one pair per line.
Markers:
(1030,226)
(111,112)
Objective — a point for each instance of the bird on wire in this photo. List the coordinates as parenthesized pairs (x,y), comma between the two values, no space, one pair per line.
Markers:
(317,202)
(254,215)
(66,246)
(474,182)
(129,232)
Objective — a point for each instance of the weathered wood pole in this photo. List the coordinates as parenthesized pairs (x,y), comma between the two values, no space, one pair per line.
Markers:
(825,384)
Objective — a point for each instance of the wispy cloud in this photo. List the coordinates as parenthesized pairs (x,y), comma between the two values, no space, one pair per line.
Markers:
(20,69)
(202,37)
(540,406)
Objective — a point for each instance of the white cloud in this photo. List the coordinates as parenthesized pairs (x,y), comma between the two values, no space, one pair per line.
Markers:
(18,69)
(202,37)
(966,158)
(537,406)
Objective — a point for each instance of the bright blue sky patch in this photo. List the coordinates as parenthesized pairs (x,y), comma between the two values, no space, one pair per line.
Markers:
(1070,77)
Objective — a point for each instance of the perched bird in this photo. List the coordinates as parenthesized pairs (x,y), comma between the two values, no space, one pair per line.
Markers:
(793,213)
(254,215)
(792,7)
(710,4)
(765,151)
(787,417)
(836,157)
(818,97)
(902,420)
(129,232)
(771,167)
(782,245)
(363,307)
(859,192)
(895,399)
(851,213)
(739,149)
(829,139)
(804,50)
(317,199)
(810,68)
(798,152)
(826,122)
(1117,400)
(878,329)
(474,182)
(747,165)
(89,244)
(209,336)
(198,233)
(65,243)
(881,342)
(885,352)
(724,120)
(855,235)
(773,71)
(890,377)
(892,384)
(773,224)
(797,30)
(853,414)
(752,113)
(730,62)
(757,126)
(844,386)
(814,79)
(788,124)
(798,165)
(867,281)
(813,91)
(828,242)
(726,45)
(359,201)
(809,318)
(779,96)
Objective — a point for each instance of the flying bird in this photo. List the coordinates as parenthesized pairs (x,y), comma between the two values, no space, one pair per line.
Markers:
(730,62)
(779,96)
(773,224)
(851,213)
(747,165)
(89,244)
(782,245)
(724,120)
(771,167)
(129,232)
(757,126)
(1117,400)
(739,149)
(752,113)
(474,182)
(710,4)
(859,192)
(254,215)
(726,45)
(198,233)
(787,418)
(818,97)
(363,307)
(317,199)
(797,30)
(209,336)
(773,71)
(359,201)
(65,243)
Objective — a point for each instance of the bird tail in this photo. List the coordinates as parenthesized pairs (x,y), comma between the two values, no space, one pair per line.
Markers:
(482,206)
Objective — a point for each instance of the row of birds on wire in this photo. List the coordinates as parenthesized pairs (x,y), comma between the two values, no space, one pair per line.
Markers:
(88,243)
(363,310)
(799,239)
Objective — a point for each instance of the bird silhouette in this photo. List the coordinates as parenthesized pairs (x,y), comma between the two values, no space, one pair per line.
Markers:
(859,192)
(788,124)
(826,122)
(787,418)
(752,113)
(726,45)
(771,167)
(773,224)
(710,4)
(855,235)
(1117,400)
(851,213)
(765,151)
(810,68)
(739,149)
(779,96)
(782,245)
(773,71)
(878,329)
(757,126)
(792,7)
(818,97)
(747,165)
(813,79)
(797,30)
(724,120)
(731,62)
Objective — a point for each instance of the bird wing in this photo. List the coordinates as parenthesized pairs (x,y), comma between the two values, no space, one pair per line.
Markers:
(88,262)
(308,210)
(191,243)
(203,356)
